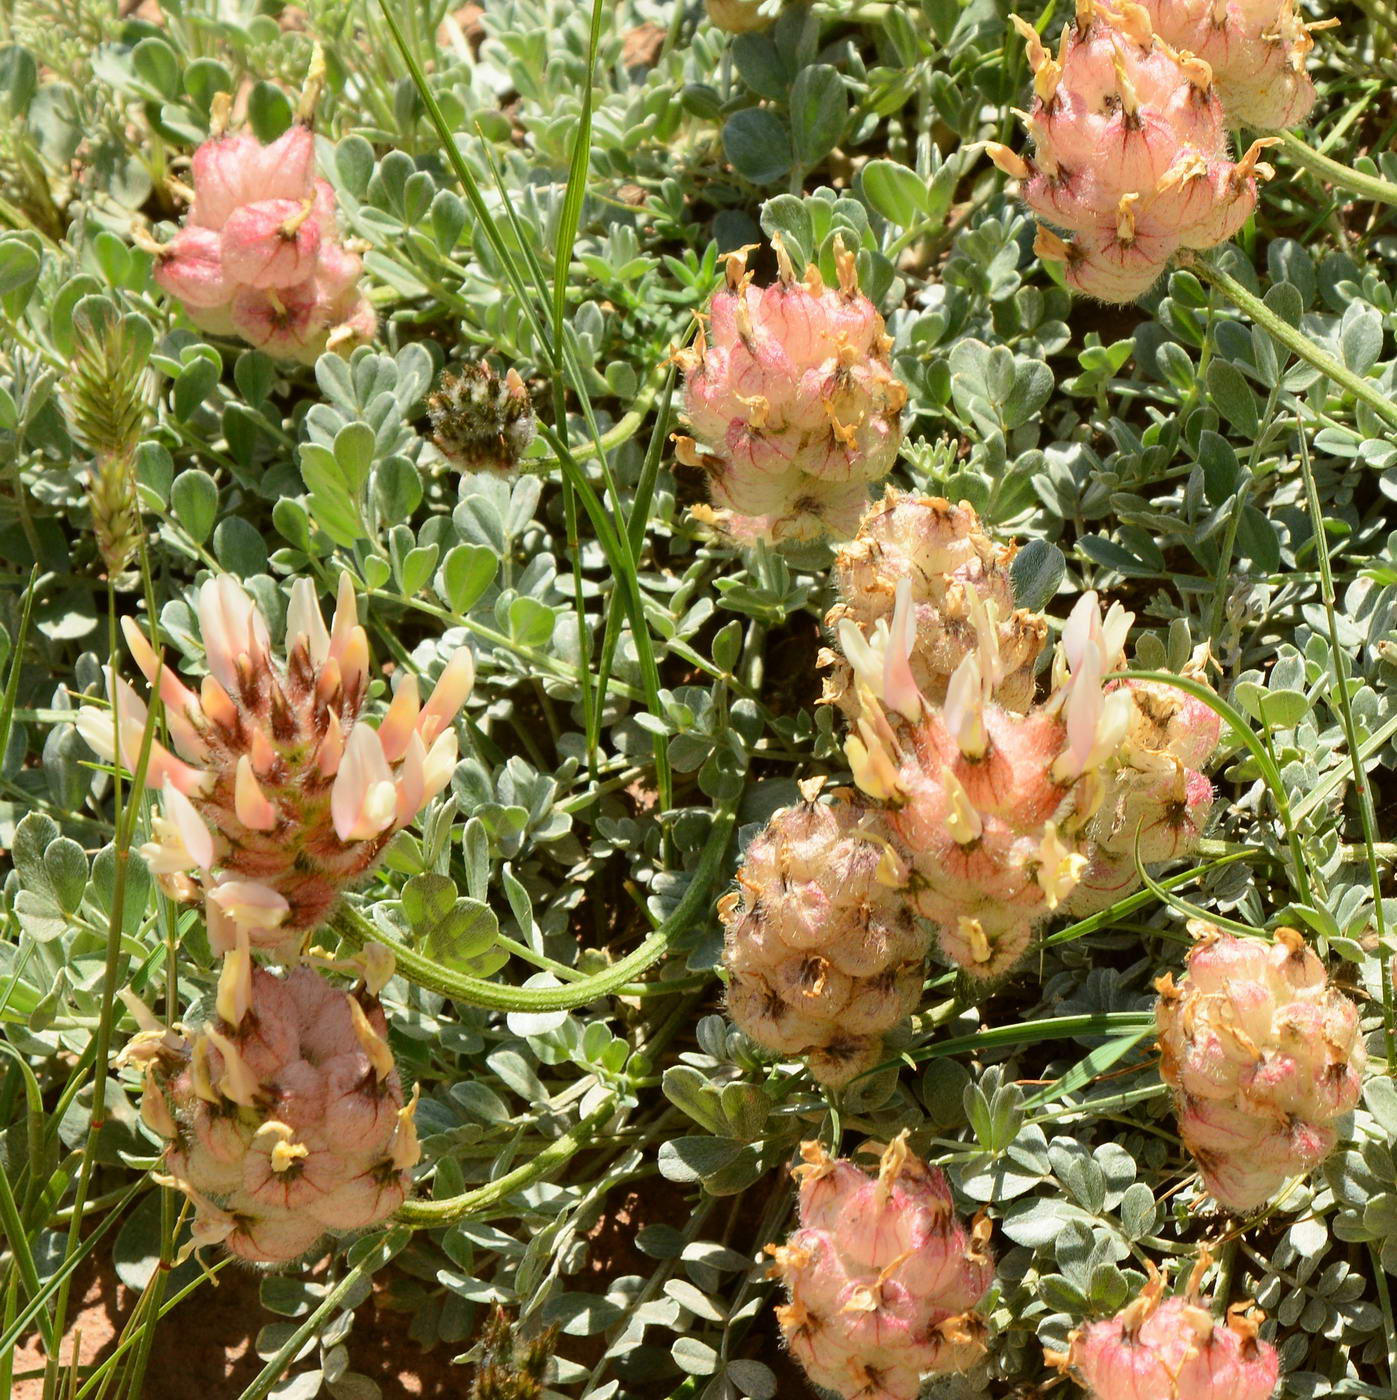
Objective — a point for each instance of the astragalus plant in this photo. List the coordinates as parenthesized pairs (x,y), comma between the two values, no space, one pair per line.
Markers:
(696,700)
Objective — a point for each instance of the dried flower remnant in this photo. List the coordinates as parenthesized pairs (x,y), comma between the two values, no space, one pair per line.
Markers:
(1257,49)
(822,954)
(278,794)
(1130,152)
(511,1367)
(284,1115)
(480,421)
(1263,1055)
(1159,1348)
(791,389)
(883,1279)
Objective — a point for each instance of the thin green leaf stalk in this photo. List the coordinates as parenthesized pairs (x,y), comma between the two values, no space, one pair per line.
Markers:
(103,1370)
(1336,173)
(1295,341)
(477,991)
(126,813)
(1367,816)
(431,1215)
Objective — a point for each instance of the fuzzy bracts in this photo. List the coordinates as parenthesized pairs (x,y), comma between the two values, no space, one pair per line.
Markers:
(1262,1055)
(278,795)
(1257,50)
(883,1278)
(284,1115)
(791,391)
(821,950)
(1159,1348)
(260,254)
(1130,152)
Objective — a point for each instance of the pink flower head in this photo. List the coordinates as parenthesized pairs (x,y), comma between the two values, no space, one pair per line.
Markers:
(883,1279)
(295,793)
(261,255)
(1160,1348)
(1262,1055)
(792,390)
(284,1117)
(1130,152)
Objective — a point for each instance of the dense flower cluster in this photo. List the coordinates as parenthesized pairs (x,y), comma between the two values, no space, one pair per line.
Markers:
(284,1116)
(278,795)
(1159,1348)
(982,808)
(1257,50)
(1262,1055)
(1130,152)
(822,951)
(260,254)
(883,1278)
(991,805)
(791,389)
(952,568)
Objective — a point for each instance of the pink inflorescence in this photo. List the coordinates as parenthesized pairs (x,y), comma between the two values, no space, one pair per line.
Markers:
(1257,50)
(278,795)
(260,255)
(1263,1055)
(1155,798)
(984,807)
(990,805)
(1159,1348)
(792,393)
(945,556)
(883,1278)
(822,953)
(1130,152)
(284,1116)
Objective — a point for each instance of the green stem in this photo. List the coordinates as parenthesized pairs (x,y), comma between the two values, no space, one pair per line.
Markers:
(430,1215)
(476,991)
(1334,172)
(374,1258)
(1366,814)
(1295,341)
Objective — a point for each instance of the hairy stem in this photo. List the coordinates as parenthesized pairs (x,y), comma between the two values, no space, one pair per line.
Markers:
(1296,341)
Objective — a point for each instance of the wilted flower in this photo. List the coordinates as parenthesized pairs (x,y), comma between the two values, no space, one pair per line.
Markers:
(480,421)
(278,796)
